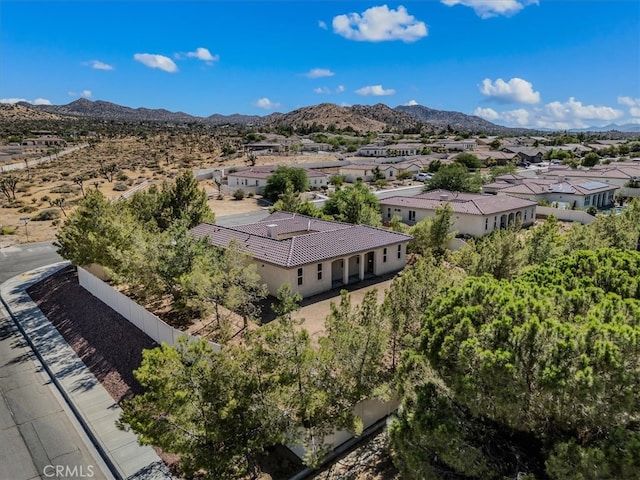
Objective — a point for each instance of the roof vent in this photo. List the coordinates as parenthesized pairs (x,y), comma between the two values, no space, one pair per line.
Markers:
(271,230)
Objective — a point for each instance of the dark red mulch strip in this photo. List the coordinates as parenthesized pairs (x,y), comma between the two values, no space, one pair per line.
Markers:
(109,345)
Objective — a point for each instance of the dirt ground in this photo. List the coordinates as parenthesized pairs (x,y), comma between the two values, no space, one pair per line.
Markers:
(40,185)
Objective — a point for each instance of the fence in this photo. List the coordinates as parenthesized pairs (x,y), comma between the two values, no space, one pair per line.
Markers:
(146,321)
(370,410)
(565,215)
(629,192)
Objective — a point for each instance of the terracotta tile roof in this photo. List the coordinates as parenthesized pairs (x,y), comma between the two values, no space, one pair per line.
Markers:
(466,203)
(265,171)
(299,239)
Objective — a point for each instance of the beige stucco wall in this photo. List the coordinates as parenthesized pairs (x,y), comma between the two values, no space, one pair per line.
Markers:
(274,277)
(476,225)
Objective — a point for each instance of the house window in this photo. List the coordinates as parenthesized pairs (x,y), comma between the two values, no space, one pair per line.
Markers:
(399,251)
(525,214)
(495,222)
(412,215)
(486,224)
(319,271)
(586,200)
(300,276)
(384,254)
(388,212)
(256,183)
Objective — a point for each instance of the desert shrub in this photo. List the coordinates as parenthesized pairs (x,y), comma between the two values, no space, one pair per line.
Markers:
(251,195)
(6,230)
(65,188)
(120,187)
(45,215)
(238,194)
(122,177)
(28,209)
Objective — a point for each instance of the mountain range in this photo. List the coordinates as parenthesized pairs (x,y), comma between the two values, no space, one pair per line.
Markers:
(359,118)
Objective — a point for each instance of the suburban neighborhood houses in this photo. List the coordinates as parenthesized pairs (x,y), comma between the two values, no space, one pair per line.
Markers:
(289,276)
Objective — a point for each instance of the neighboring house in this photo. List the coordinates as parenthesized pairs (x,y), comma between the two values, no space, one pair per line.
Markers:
(455,145)
(580,194)
(47,141)
(311,254)
(473,214)
(394,150)
(495,157)
(254,179)
(611,174)
(526,154)
(575,148)
(365,171)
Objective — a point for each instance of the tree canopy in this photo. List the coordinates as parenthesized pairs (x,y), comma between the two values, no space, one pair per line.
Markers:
(454,177)
(534,377)
(354,204)
(283,175)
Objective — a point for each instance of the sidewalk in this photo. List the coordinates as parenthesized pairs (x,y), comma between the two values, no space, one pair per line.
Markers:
(92,405)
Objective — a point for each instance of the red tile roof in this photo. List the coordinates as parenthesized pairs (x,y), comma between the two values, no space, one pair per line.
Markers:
(299,239)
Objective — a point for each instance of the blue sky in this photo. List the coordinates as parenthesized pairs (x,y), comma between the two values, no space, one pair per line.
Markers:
(527,63)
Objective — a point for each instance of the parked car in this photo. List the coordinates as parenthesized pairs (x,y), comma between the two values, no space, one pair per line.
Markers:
(422,176)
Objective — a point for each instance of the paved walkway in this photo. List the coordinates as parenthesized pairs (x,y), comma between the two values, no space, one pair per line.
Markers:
(92,405)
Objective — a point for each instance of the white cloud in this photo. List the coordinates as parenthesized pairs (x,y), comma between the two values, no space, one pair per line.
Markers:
(555,115)
(322,90)
(486,113)
(322,25)
(378,24)
(340,89)
(156,61)
(98,65)
(520,116)
(203,54)
(411,103)
(82,94)
(493,8)
(375,90)
(515,90)
(319,73)
(36,101)
(266,104)
(573,109)
(632,103)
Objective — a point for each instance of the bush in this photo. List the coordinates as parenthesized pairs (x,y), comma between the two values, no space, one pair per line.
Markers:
(62,189)
(28,209)
(251,195)
(238,194)
(120,187)
(7,231)
(45,215)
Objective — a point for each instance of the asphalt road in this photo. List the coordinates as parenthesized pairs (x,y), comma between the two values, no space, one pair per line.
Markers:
(17,259)
(39,435)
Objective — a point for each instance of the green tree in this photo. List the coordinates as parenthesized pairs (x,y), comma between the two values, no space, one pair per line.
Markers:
(591,159)
(454,177)
(469,160)
(534,377)
(543,242)
(283,175)
(500,254)
(95,232)
(186,199)
(212,408)
(432,234)
(354,204)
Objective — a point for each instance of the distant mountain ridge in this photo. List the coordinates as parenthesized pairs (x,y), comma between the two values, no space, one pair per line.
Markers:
(359,118)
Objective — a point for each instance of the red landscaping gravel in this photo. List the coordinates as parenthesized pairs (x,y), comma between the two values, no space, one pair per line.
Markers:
(109,345)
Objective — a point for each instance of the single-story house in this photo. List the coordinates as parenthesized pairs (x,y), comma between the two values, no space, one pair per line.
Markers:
(365,171)
(254,179)
(46,141)
(393,150)
(611,174)
(455,145)
(473,214)
(526,154)
(311,254)
(580,194)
